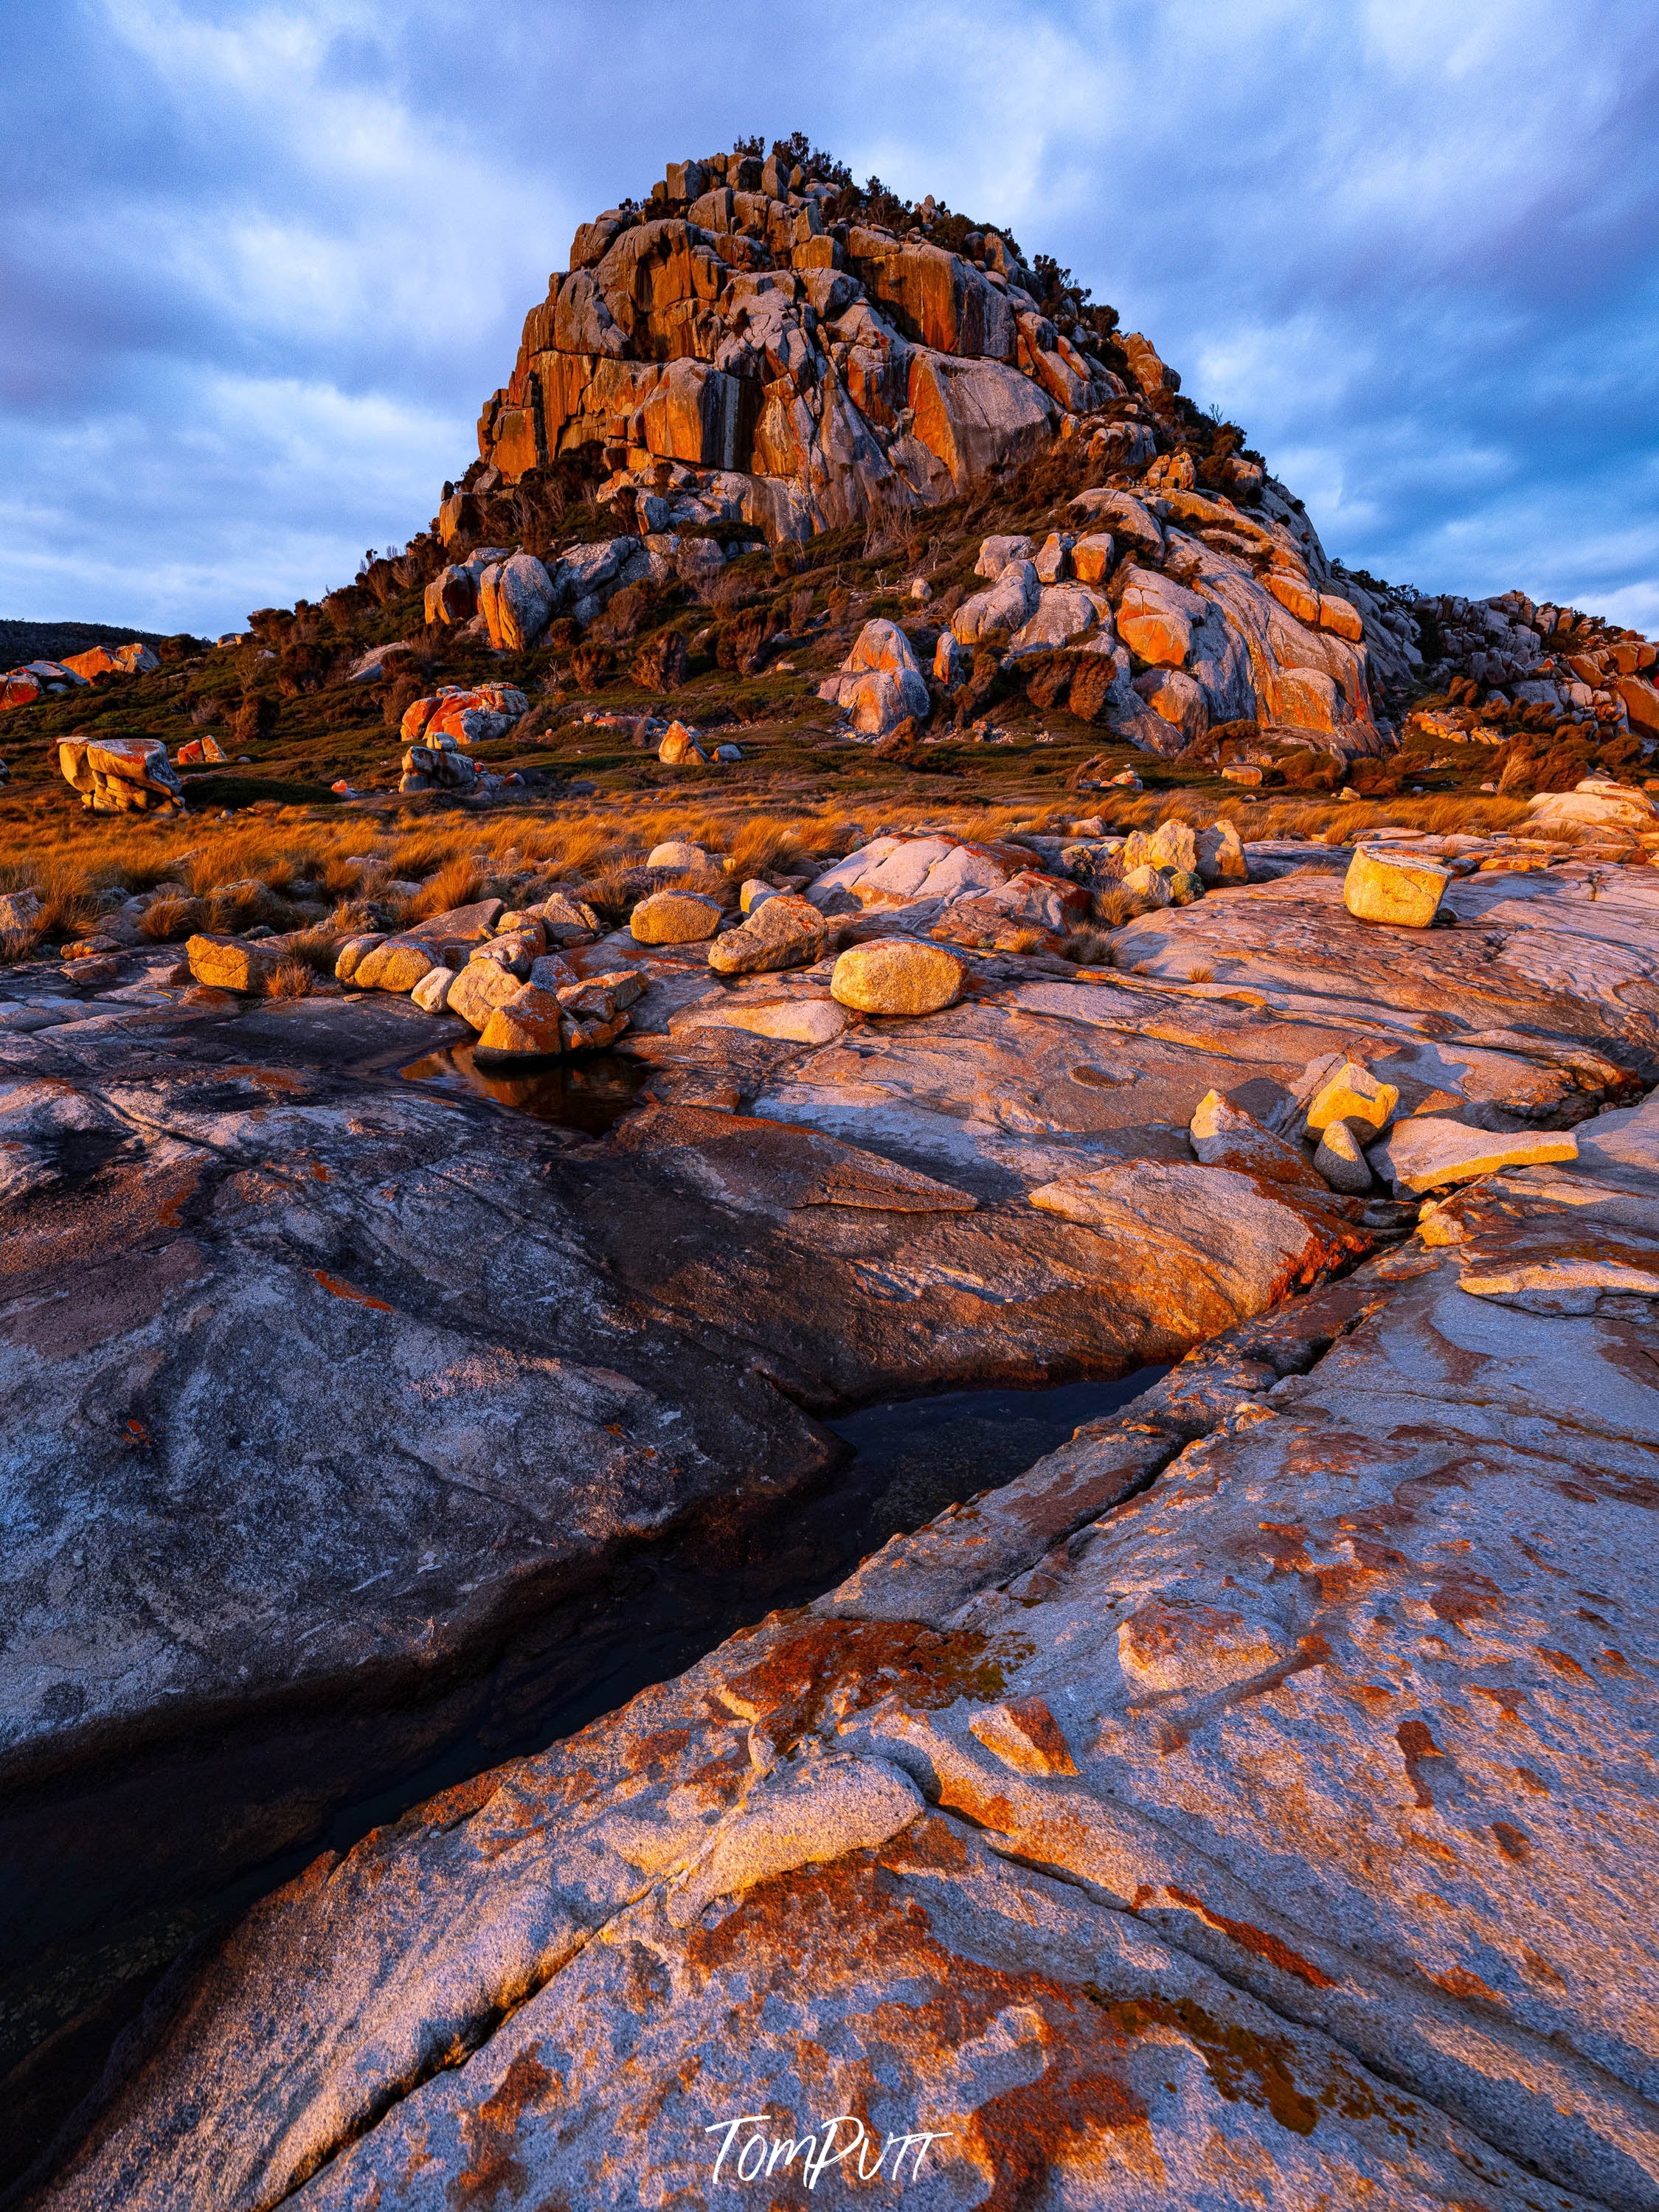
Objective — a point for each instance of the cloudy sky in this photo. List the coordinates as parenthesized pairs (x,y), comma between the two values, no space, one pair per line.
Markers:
(260,263)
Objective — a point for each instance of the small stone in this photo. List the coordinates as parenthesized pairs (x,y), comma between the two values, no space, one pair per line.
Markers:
(784,931)
(756,892)
(526,924)
(680,855)
(1092,558)
(1427,1152)
(1149,886)
(19,910)
(431,993)
(675,918)
(1185,886)
(602,998)
(1390,888)
(566,920)
(1171,845)
(679,747)
(231,964)
(1341,1160)
(1353,1093)
(1220,857)
(1054,557)
(515,948)
(552,972)
(896,975)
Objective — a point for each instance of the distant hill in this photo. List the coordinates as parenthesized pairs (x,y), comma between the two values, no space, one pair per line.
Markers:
(34,641)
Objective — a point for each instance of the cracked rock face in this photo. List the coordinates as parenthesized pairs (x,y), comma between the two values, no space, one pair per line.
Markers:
(1230,1804)
(320,1389)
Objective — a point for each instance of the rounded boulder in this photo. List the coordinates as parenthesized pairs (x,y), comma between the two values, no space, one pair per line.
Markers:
(675,918)
(397,964)
(897,976)
(679,853)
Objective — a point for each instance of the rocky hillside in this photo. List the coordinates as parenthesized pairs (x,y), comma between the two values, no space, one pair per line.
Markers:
(764,406)
(761,346)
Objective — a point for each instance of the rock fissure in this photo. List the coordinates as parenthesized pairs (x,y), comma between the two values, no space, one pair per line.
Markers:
(1272,1997)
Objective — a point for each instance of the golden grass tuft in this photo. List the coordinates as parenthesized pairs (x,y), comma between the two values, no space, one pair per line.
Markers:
(457,882)
(171,917)
(317,948)
(291,979)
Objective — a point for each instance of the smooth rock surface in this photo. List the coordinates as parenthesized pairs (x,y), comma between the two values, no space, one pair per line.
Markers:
(1426,1152)
(894,976)
(1277,1750)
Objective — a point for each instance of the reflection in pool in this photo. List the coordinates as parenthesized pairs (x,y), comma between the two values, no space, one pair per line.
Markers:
(589,1092)
(917,1455)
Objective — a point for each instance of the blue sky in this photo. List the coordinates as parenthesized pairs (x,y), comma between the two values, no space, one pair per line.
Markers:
(259,265)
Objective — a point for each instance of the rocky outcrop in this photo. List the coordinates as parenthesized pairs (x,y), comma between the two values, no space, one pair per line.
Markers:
(1505,660)
(122,775)
(787,361)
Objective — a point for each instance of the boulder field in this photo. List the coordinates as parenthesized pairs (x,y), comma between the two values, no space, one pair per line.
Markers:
(1229,1810)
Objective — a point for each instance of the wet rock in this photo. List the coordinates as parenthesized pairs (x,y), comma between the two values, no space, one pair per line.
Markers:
(1314,1512)
(894,976)
(1184,1707)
